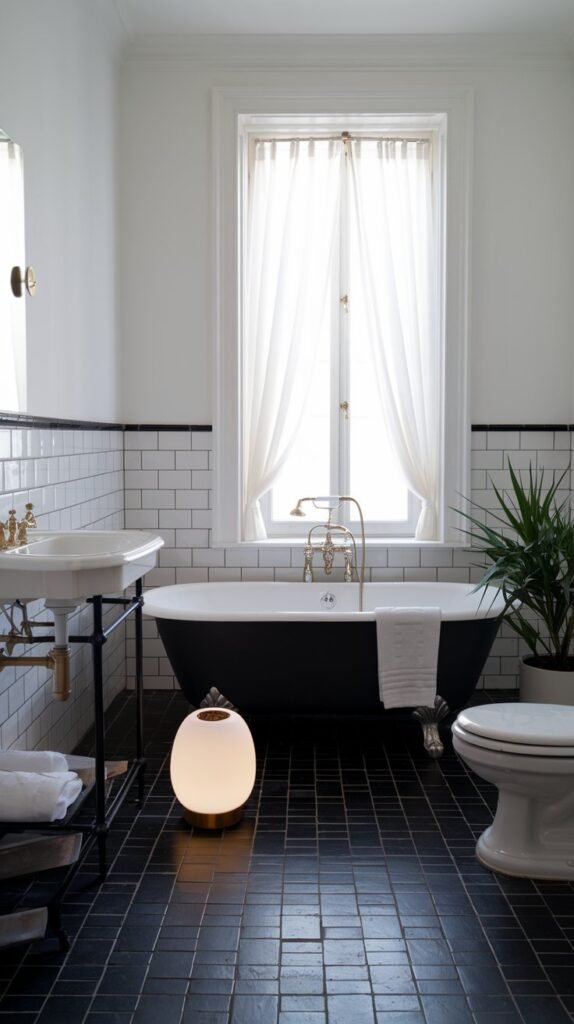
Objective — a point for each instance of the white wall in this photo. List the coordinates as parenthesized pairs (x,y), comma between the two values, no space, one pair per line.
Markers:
(522,311)
(523,251)
(58,99)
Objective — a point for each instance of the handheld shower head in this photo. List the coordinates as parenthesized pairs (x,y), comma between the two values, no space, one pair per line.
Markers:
(298,511)
(329,502)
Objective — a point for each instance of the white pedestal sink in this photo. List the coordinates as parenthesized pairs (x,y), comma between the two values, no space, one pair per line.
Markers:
(75,564)
(64,568)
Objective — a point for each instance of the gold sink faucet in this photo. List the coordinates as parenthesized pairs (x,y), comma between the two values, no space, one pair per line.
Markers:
(14,534)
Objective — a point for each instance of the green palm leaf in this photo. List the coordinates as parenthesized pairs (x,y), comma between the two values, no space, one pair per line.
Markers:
(527,543)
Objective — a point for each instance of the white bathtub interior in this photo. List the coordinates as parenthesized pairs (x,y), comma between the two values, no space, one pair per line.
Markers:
(316,601)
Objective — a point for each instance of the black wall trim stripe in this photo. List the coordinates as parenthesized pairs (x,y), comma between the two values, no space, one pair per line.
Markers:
(167,426)
(9,419)
(16,420)
(550,427)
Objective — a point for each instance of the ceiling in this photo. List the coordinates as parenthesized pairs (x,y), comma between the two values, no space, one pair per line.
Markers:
(347,17)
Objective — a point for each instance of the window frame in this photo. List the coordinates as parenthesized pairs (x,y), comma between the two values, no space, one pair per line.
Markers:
(251,128)
(236,107)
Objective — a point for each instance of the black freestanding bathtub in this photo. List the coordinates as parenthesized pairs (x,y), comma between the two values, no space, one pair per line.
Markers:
(288,647)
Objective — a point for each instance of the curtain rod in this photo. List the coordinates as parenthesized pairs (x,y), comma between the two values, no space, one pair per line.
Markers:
(342,137)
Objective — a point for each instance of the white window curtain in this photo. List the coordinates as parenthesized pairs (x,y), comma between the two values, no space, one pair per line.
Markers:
(392,197)
(294,203)
(293,211)
(12,310)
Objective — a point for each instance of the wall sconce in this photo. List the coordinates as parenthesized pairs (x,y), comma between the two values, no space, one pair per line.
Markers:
(212,767)
(20,279)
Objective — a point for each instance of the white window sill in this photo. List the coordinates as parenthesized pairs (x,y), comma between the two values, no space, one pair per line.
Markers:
(371,542)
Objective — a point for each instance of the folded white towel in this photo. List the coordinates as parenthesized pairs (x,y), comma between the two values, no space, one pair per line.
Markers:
(35,796)
(407,647)
(32,761)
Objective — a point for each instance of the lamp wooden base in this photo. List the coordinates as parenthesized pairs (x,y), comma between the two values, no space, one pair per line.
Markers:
(213,821)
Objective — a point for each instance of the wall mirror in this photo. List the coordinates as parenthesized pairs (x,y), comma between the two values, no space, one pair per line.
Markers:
(15,280)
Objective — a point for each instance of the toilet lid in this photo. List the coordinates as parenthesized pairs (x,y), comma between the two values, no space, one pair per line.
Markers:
(530,725)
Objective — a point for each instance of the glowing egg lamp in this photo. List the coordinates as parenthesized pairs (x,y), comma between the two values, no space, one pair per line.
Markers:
(212,767)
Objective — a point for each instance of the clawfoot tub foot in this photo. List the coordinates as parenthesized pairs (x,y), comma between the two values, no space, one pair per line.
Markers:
(429,719)
(215,699)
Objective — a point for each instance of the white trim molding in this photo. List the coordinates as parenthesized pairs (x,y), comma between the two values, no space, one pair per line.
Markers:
(454,107)
(350,52)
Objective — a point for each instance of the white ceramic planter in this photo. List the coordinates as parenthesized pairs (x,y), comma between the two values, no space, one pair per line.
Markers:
(542,686)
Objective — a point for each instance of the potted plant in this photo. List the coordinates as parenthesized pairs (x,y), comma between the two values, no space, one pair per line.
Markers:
(528,540)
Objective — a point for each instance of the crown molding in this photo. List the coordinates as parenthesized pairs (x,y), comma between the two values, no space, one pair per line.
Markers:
(381,53)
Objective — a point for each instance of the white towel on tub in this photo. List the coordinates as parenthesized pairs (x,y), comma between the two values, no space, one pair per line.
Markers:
(37,796)
(407,648)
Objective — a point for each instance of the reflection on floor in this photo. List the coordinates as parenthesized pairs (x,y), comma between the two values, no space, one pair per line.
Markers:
(349,894)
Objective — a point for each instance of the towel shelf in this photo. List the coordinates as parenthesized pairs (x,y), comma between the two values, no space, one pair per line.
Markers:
(94,830)
(24,853)
(23,926)
(29,853)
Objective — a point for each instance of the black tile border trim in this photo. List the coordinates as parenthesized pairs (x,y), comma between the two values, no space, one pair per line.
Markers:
(9,419)
(178,427)
(550,427)
(13,420)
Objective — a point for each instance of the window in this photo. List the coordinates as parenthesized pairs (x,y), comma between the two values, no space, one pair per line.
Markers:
(339,263)
(333,356)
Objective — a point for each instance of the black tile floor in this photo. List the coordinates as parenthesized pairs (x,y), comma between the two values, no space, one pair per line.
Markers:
(349,894)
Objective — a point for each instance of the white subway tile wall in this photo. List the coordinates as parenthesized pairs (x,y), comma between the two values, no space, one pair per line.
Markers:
(75,478)
(160,495)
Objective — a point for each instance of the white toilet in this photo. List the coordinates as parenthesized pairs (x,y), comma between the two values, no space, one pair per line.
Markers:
(527,752)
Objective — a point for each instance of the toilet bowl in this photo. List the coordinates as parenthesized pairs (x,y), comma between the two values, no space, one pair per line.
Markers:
(527,752)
